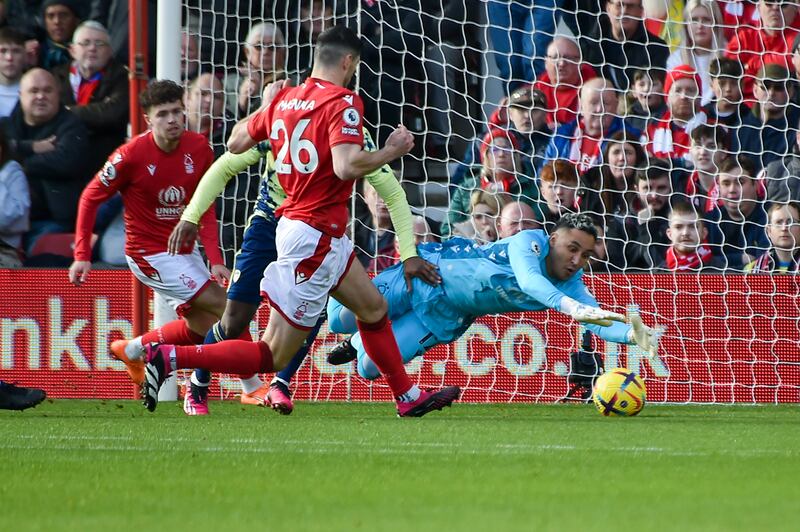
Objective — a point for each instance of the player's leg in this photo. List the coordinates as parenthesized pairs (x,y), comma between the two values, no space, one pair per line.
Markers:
(413,339)
(357,293)
(392,285)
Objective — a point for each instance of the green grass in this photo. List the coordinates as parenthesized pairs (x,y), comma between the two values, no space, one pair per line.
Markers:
(90,465)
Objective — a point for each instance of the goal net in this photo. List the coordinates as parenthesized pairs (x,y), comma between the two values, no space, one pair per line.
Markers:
(491,91)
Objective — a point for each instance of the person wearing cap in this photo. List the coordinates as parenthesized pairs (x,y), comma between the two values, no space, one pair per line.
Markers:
(564,74)
(60,20)
(501,170)
(669,136)
(582,141)
(527,116)
(774,37)
(768,131)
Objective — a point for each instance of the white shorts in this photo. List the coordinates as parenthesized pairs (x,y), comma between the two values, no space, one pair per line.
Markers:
(310,265)
(179,279)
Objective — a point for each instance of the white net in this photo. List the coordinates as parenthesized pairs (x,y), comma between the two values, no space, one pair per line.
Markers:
(619,109)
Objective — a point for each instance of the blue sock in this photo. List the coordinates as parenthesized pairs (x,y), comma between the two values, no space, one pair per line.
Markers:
(288,372)
(215,334)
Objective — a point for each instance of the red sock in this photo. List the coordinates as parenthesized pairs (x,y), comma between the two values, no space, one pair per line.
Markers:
(381,346)
(176,332)
(230,356)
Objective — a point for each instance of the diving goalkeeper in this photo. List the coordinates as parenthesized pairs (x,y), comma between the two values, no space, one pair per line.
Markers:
(525,272)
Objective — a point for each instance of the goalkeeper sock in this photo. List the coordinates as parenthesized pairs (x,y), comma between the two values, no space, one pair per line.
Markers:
(250,383)
(231,356)
(176,332)
(381,347)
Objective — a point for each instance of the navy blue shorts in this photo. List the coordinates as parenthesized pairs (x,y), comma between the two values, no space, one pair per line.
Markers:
(258,251)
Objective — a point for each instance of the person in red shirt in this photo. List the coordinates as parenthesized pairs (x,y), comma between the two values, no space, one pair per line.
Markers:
(315,130)
(157,173)
(770,42)
(669,137)
(562,80)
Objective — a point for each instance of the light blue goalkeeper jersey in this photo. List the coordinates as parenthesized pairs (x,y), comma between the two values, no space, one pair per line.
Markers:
(505,276)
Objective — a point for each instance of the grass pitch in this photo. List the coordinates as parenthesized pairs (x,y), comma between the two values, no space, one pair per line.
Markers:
(111,466)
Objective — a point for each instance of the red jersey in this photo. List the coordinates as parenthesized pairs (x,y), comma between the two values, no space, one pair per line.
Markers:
(585,151)
(668,140)
(562,99)
(156,186)
(753,47)
(303,123)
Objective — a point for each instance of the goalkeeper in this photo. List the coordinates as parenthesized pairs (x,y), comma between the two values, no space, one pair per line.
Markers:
(258,251)
(525,272)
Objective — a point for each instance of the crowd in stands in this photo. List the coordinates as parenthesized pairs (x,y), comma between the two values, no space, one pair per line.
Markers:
(674,124)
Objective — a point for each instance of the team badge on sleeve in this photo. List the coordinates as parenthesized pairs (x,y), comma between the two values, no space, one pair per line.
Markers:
(535,248)
(351,116)
(108,173)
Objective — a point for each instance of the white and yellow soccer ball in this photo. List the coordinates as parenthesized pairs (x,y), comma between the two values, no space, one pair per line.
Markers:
(619,392)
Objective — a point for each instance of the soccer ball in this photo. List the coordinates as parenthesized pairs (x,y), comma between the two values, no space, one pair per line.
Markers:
(619,392)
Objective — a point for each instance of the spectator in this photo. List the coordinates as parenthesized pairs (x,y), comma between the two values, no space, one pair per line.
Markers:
(516,216)
(61,17)
(645,244)
(783,231)
(520,33)
(564,74)
(206,113)
(51,144)
(783,177)
(702,39)
(708,151)
(527,118)
(739,226)
(613,184)
(771,41)
(666,20)
(315,16)
(500,172)
(484,210)
(12,65)
(648,104)
(688,250)
(113,14)
(559,182)
(582,140)
(190,56)
(15,206)
(669,136)
(377,249)
(728,108)
(738,14)
(264,62)
(619,44)
(95,89)
(766,133)
(599,263)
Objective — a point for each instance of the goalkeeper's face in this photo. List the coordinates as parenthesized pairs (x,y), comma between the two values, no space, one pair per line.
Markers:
(570,250)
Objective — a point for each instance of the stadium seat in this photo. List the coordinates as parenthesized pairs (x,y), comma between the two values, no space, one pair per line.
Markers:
(61,244)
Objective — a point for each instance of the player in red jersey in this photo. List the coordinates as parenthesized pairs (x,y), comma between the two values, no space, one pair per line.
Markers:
(157,173)
(315,131)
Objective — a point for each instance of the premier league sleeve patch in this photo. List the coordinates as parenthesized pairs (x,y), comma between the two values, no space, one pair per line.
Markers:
(535,248)
(108,173)
(351,116)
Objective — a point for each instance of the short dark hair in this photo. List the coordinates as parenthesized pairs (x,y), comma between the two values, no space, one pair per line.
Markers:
(722,67)
(9,35)
(746,164)
(705,131)
(335,43)
(685,208)
(159,92)
(655,169)
(579,220)
(655,74)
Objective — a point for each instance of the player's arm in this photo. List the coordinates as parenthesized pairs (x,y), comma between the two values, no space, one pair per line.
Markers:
(255,127)
(105,184)
(352,161)
(634,332)
(389,189)
(524,253)
(208,189)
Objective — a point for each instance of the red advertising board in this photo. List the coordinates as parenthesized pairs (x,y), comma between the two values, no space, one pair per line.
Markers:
(728,339)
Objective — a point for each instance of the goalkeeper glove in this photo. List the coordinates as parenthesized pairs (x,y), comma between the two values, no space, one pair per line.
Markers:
(642,335)
(586,314)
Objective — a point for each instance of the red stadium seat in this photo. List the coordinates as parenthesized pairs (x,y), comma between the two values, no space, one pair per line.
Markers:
(62,244)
